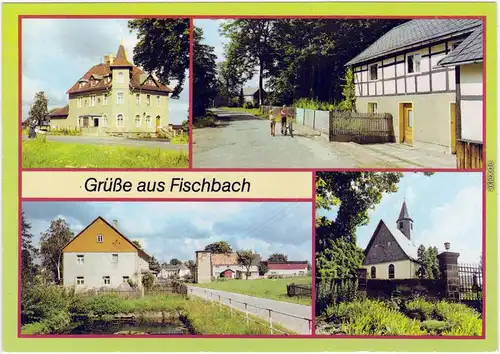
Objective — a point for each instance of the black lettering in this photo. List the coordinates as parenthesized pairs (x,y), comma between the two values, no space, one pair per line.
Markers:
(176,183)
(90,184)
(246,185)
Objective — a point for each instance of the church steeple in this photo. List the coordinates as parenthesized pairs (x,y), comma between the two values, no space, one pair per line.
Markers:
(405,222)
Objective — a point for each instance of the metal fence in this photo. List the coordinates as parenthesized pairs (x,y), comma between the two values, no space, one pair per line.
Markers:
(470,277)
(247,314)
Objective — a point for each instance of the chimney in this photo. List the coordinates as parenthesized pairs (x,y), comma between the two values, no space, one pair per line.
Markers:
(115,223)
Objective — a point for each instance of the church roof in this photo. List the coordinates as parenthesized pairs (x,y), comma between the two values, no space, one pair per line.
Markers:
(403,214)
(406,245)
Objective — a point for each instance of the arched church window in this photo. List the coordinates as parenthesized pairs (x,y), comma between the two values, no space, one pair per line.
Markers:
(373,272)
(391,271)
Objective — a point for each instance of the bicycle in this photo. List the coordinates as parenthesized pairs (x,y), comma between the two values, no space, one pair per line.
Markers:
(289,127)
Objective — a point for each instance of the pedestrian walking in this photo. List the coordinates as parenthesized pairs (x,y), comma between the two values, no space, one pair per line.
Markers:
(273,124)
(283,115)
(32,132)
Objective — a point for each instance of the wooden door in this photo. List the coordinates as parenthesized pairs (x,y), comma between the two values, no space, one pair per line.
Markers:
(408,125)
(453,128)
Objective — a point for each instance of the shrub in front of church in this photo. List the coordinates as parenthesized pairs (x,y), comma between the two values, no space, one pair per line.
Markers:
(464,320)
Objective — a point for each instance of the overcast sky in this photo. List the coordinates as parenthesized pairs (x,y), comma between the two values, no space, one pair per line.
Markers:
(58,52)
(212,37)
(178,229)
(444,207)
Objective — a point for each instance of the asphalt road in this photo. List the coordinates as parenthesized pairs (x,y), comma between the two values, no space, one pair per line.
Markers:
(94,140)
(260,307)
(242,140)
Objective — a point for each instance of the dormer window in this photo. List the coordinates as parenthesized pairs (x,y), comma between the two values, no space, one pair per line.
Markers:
(81,84)
(100,238)
(92,83)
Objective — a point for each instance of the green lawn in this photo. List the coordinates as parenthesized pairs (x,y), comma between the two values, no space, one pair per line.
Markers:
(253,111)
(45,154)
(274,289)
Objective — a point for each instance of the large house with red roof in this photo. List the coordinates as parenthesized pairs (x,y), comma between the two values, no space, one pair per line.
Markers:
(287,269)
(114,97)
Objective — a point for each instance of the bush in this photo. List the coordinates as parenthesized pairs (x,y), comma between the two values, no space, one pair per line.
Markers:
(435,327)
(66,131)
(248,105)
(464,320)
(148,280)
(309,103)
(420,309)
(203,122)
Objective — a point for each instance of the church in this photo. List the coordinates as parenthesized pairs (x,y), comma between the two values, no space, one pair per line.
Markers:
(391,254)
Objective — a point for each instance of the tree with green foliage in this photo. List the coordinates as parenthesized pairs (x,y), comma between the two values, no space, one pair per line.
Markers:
(219,247)
(175,261)
(52,242)
(263,268)
(278,258)
(241,98)
(428,263)
(204,74)
(137,244)
(28,253)
(246,259)
(163,49)
(148,280)
(250,47)
(38,112)
(154,265)
(349,92)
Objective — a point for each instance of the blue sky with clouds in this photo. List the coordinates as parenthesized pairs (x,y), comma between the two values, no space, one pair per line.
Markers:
(444,207)
(57,52)
(178,229)
(212,37)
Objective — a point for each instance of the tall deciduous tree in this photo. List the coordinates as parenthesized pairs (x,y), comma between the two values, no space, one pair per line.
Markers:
(28,253)
(204,74)
(246,259)
(52,242)
(38,111)
(429,263)
(278,257)
(263,268)
(219,247)
(250,47)
(163,49)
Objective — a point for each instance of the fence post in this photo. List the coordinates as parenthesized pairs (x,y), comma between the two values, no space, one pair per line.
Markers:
(270,321)
(246,312)
(448,265)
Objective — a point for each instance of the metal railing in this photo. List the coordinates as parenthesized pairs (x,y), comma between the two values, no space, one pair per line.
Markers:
(210,296)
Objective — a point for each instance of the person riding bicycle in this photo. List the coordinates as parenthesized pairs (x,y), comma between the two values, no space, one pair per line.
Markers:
(283,114)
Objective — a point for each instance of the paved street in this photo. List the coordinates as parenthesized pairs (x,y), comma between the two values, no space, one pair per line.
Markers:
(93,140)
(242,140)
(297,325)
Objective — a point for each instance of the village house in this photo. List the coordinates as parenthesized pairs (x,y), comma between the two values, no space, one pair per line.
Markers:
(287,269)
(101,256)
(400,74)
(390,253)
(173,271)
(115,97)
(251,95)
(225,265)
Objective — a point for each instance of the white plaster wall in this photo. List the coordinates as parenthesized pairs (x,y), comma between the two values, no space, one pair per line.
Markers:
(439,81)
(423,84)
(390,87)
(401,85)
(287,272)
(471,79)
(472,120)
(402,270)
(96,265)
(410,84)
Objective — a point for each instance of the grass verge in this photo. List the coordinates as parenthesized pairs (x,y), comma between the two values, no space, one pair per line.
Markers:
(47,154)
(180,139)
(274,289)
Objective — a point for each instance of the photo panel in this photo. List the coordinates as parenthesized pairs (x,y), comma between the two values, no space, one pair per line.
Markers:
(104,92)
(357,92)
(173,269)
(400,254)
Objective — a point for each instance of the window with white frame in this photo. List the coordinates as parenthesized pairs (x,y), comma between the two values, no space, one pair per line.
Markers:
(104,120)
(79,102)
(413,63)
(79,259)
(80,281)
(119,97)
(114,258)
(92,100)
(374,72)
(100,238)
(105,99)
(120,78)
(120,122)
(158,100)
(148,100)
(125,278)
(372,107)
(137,99)
(106,280)
(137,121)
(149,122)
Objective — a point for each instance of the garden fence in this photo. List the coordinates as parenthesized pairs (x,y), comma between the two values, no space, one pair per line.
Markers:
(470,281)
(299,290)
(242,309)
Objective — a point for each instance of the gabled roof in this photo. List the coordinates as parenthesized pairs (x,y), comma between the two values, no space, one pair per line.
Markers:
(403,214)
(469,51)
(249,91)
(406,245)
(60,112)
(287,265)
(141,253)
(414,33)
(104,70)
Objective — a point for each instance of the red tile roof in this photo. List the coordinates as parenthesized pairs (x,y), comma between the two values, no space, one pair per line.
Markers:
(99,74)
(288,265)
(60,112)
